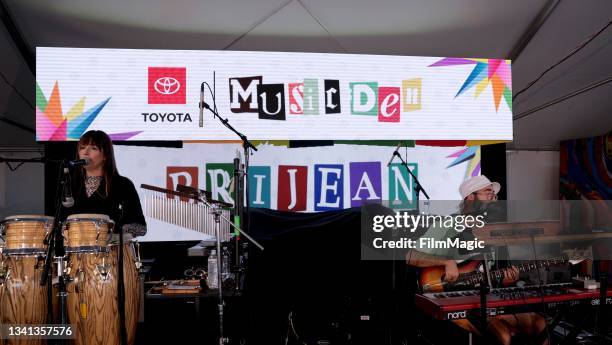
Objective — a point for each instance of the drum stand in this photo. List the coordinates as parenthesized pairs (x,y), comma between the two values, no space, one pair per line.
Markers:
(59,260)
(216,211)
(55,246)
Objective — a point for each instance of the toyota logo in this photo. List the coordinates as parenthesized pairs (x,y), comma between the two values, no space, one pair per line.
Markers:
(167,85)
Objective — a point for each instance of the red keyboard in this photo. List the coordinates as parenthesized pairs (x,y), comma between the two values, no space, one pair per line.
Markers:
(466,304)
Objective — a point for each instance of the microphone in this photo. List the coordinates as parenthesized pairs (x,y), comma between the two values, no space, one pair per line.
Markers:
(234,183)
(67,199)
(77,162)
(202,104)
(394,154)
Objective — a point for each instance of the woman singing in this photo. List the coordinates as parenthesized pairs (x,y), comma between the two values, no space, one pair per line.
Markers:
(98,187)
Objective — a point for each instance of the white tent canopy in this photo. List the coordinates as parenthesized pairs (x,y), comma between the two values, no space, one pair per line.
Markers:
(535,34)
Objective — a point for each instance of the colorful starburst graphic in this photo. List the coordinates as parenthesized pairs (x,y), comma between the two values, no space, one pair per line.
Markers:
(485,72)
(54,125)
(469,154)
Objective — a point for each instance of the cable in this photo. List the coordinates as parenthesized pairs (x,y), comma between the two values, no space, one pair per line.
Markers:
(212,94)
(17,91)
(291,331)
(563,98)
(15,168)
(577,49)
(257,24)
(322,26)
(5,119)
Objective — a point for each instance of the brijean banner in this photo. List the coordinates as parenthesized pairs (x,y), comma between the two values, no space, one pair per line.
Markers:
(308,179)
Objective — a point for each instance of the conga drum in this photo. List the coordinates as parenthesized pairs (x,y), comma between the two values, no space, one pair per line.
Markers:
(22,299)
(93,261)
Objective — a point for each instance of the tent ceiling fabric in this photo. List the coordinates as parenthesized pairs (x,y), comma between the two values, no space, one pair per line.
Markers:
(463,28)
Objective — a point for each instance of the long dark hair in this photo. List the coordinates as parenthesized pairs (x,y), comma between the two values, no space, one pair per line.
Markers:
(105,144)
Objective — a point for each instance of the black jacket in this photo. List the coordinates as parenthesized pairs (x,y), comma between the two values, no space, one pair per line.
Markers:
(122,193)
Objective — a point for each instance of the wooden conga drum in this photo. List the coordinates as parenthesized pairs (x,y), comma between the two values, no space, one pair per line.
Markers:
(22,299)
(93,263)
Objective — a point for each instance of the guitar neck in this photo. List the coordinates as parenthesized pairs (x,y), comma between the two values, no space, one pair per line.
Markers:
(475,277)
(531,265)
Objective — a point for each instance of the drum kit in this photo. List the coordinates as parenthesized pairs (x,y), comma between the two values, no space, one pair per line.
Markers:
(90,269)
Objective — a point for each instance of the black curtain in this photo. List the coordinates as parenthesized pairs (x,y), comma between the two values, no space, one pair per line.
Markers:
(493,163)
(311,267)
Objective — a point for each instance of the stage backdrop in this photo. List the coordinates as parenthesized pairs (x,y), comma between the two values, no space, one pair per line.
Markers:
(154,95)
(299,179)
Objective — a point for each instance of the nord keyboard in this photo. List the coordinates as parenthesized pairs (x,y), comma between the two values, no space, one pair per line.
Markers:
(466,304)
(549,231)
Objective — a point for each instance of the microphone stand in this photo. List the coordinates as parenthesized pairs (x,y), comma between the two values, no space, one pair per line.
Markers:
(121,282)
(242,212)
(418,186)
(601,327)
(247,146)
(55,246)
(245,142)
(485,288)
(216,210)
(238,205)
(485,282)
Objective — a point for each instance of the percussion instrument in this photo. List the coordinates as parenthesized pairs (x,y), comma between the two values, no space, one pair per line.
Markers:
(22,299)
(25,234)
(92,271)
(87,233)
(171,207)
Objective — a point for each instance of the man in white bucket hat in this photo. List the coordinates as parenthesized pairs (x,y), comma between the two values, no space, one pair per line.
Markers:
(479,189)
(476,192)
